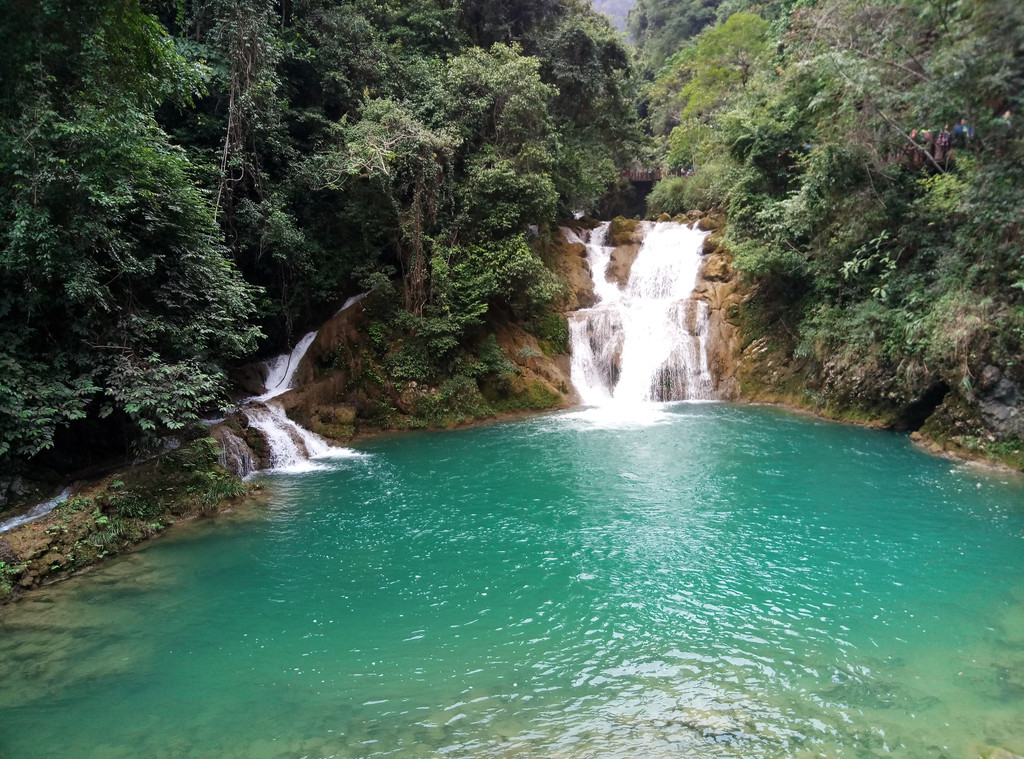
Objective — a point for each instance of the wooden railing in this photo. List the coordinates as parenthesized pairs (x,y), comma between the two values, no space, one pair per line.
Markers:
(642,174)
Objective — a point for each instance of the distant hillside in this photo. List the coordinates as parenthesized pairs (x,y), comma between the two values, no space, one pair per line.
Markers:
(614,9)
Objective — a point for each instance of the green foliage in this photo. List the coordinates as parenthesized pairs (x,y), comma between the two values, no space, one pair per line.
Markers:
(659,27)
(109,259)
(177,482)
(553,330)
(170,181)
(880,260)
(719,62)
(707,188)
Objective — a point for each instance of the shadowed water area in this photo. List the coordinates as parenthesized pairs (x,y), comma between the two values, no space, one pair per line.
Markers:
(703,580)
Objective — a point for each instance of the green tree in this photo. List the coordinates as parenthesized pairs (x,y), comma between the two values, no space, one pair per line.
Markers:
(117,300)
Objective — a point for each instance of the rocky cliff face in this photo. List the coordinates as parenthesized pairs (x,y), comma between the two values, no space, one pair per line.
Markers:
(980,418)
(719,286)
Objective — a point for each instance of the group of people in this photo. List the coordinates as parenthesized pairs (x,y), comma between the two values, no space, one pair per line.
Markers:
(637,173)
(940,145)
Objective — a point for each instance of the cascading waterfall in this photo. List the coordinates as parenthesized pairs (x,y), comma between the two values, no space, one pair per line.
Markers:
(290,445)
(647,341)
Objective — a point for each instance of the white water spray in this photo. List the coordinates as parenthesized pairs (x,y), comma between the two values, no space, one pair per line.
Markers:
(293,448)
(646,342)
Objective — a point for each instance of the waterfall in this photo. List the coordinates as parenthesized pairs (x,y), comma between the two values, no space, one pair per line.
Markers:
(37,511)
(281,370)
(646,341)
(291,447)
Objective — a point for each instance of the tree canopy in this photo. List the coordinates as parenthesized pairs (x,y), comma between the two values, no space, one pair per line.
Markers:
(179,179)
(868,154)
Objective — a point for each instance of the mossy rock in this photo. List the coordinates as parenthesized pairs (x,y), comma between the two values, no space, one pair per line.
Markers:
(664,217)
(621,229)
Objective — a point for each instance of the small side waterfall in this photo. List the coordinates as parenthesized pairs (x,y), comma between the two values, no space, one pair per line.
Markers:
(647,341)
(37,511)
(281,370)
(290,446)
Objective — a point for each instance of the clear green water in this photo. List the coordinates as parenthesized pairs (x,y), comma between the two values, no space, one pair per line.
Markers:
(715,581)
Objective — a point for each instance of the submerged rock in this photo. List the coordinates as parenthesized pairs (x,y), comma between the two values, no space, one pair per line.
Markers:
(996,752)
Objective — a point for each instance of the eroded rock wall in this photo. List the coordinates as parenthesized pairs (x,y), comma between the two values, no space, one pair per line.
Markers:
(719,286)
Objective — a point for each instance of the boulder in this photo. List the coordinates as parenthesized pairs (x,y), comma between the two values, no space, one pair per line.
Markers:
(712,242)
(717,269)
(236,455)
(622,231)
(621,263)
(711,222)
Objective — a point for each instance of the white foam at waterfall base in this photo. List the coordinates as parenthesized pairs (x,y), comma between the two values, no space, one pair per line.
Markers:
(293,448)
(646,342)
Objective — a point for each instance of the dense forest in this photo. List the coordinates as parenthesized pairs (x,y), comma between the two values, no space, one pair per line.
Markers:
(869,155)
(191,183)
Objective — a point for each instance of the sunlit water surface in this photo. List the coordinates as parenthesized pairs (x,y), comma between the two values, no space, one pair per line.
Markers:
(701,580)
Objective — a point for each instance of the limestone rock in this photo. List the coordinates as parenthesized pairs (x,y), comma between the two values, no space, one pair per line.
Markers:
(323,406)
(711,222)
(249,378)
(1001,403)
(621,263)
(7,555)
(626,235)
(622,231)
(552,372)
(236,454)
(718,287)
(718,269)
(712,243)
(572,264)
